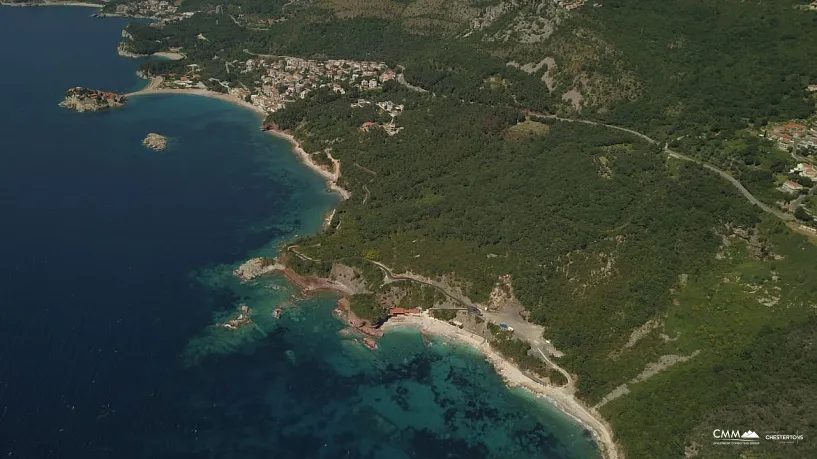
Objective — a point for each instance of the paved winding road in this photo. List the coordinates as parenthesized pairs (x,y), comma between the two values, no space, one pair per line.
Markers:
(402,80)
(462,299)
(529,331)
(785,216)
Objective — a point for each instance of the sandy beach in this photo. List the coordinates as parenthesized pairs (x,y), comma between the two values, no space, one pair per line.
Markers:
(169,55)
(563,398)
(153,89)
(331,177)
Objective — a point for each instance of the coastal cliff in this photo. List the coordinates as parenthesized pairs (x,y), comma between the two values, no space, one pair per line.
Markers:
(341,279)
(125,49)
(91,100)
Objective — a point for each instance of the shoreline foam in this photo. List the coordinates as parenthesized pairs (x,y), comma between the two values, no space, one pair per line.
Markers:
(563,400)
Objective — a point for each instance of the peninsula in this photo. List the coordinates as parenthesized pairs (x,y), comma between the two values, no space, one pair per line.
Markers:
(91,100)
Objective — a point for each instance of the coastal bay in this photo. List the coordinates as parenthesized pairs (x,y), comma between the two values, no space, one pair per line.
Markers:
(89,198)
(331,177)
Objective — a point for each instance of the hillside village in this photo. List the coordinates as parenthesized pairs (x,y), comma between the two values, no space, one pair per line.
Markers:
(804,170)
(388,107)
(799,139)
(285,79)
(161,10)
(794,136)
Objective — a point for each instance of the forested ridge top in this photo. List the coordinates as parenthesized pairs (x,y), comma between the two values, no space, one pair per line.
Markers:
(679,306)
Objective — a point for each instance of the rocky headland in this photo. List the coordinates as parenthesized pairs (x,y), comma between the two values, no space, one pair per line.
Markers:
(125,49)
(346,281)
(155,142)
(91,100)
(340,281)
(256,267)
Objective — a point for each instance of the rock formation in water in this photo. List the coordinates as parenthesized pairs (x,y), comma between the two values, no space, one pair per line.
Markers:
(155,142)
(257,267)
(91,100)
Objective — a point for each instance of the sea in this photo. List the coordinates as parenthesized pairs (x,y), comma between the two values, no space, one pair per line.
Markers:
(116,270)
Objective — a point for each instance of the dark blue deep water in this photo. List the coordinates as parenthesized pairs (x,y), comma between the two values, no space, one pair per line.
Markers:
(115,266)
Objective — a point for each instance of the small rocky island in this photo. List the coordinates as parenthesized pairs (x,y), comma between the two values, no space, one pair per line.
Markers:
(155,142)
(91,100)
(241,321)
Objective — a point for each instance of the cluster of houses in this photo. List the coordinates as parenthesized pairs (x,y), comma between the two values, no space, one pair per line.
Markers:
(289,78)
(156,9)
(793,135)
(286,79)
(190,79)
(387,106)
(810,7)
(804,170)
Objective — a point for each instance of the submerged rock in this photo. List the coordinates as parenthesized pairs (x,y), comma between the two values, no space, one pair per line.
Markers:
(242,320)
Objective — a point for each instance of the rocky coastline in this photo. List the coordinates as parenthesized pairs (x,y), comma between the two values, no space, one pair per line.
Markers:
(339,282)
(332,176)
(124,50)
(256,267)
(91,100)
(344,312)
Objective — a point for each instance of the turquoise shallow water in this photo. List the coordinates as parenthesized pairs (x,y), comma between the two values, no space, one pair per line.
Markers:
(117,264)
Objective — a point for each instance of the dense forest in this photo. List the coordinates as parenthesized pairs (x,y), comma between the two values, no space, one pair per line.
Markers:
(455,190)
(600,232)
(713,68)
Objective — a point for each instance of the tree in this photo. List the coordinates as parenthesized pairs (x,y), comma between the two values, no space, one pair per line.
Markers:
(802,215)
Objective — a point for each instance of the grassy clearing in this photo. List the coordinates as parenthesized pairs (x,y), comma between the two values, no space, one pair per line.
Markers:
(526,130)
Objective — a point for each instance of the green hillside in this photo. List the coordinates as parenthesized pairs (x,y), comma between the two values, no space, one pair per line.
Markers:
(645,270)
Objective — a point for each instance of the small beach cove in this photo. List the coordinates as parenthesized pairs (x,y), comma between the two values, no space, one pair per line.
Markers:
(154,87)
